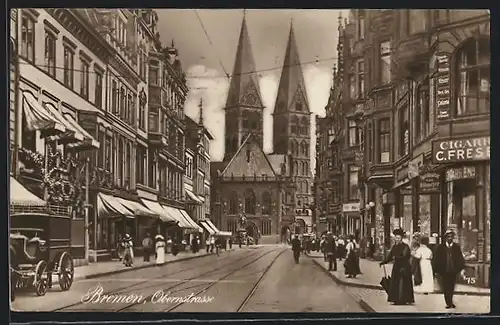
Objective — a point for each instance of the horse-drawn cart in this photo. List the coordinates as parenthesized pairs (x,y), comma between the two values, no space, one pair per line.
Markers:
(40,248)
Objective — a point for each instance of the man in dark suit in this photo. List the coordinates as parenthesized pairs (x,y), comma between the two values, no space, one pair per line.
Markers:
(330,251)
(448,262)
(296,248)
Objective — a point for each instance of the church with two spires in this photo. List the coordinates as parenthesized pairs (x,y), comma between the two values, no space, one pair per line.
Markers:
(267,194)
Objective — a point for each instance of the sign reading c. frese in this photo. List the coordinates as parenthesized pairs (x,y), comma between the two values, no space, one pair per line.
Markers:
(462,149)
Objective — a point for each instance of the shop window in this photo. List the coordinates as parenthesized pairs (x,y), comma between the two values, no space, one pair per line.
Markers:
(461,214)
(473,77)
(424,215)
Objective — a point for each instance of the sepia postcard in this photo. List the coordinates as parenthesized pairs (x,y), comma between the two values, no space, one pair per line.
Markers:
(213,160)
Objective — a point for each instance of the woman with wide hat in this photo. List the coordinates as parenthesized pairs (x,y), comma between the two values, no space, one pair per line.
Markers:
(160,249)
(400,291)
(128,253)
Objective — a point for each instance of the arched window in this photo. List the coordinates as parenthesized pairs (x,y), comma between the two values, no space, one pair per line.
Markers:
(292,146)
(304,126)
(307,169)
(249,202)
(295,168)
(266,203)
(294,125)
(303,148)
(306,190)
(472,64)
(245,119)
(304,168)
(233,203)
(306,149)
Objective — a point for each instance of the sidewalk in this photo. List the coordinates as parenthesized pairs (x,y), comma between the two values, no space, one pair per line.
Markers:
(98,269)
(372,274)
(371,297)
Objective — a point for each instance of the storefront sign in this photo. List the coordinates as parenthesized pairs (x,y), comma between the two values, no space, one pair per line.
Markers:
(430,183)
(322,219)
(443,87)
(350,207)
(402,174)
(467,172)
(458,150)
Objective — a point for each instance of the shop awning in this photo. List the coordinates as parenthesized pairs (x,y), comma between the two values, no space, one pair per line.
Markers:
(212,225)
(137,208)
(177,216)
(193,196)
(88,140)
(71,134)
(190,220)
(37,117)
(156,208)
(19,195)
(110,206)
(207,227)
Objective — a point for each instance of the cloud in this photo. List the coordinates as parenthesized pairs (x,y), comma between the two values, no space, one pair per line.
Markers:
(212,86)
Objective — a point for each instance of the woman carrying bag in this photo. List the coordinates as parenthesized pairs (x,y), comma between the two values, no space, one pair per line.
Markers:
(401,283)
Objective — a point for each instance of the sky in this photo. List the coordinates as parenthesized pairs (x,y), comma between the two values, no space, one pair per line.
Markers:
(208,56)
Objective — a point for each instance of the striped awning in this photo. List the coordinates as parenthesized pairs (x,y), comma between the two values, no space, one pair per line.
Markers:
(88,140)
(110,206)
(207,227)
(212,225)
(174,213)
(19,195)
(37,117)
(190,220)
(71,134)
(137,208)
(157,208)
(193,196)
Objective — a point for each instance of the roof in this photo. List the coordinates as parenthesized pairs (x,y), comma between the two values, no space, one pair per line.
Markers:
(244,87)
(292,87)
(249,160)
(277,162)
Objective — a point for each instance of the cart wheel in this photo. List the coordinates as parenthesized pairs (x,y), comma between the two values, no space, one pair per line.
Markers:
(66,271)
(40,282)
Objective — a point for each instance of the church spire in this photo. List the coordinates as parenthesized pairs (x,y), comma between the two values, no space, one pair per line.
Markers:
(244,80)
(291,88)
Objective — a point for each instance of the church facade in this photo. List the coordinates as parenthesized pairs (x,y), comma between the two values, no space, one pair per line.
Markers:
(267,194)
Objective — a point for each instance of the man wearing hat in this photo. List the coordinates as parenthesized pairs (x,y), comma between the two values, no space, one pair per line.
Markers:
(330,250)
(448,262)
(296,248)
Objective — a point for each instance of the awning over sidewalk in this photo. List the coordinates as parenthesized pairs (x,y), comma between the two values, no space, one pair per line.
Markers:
(37,117)
(137,208)
(209,222)
(175,213)
(156,208)
(19,195)
(190,220)
(71,134)
(193,196)
(207,227)
(88,140)
(110,206)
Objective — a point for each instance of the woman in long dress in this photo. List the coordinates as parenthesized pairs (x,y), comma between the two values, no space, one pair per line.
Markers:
(128,253)
(401,284)
(351,264)
(160,249)
(424,255)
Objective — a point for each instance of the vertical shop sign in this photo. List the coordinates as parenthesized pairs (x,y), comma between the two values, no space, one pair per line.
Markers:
(443,87)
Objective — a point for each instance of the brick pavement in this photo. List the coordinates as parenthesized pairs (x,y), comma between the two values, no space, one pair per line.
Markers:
(372,298)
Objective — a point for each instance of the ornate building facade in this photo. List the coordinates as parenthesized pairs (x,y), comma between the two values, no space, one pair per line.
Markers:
(101,88)
(425,115)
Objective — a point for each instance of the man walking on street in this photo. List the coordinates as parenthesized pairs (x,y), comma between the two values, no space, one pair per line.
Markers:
(147,247)
(330,250)
(448,262)
(296,248)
